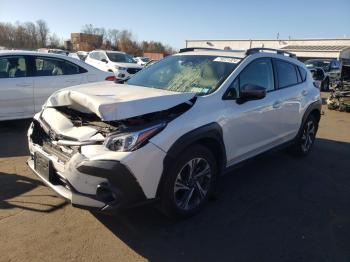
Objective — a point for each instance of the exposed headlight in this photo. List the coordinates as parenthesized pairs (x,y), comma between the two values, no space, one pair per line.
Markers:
(120,67)
(131,141)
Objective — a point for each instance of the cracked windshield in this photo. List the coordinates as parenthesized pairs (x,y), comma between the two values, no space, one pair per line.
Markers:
(187,73)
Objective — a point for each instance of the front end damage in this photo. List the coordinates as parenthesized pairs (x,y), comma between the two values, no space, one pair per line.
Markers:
(98,164)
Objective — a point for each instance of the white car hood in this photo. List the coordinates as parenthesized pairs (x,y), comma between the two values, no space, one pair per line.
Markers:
(111,101)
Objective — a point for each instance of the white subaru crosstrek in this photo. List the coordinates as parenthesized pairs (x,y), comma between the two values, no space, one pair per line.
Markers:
(120,63)
(169,132)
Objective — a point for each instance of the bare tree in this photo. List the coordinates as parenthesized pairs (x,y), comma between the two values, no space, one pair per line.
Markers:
(43,32)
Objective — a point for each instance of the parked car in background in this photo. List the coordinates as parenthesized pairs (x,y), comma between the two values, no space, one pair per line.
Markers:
(331,68)
(82,55)
(318,75)
(170,131)
(74,55)
(27,79)
(120,63)
(142,61)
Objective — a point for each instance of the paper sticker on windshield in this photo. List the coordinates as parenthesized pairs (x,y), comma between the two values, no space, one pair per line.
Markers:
(227,60)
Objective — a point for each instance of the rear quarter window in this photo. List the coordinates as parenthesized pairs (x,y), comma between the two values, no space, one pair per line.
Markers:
(303,73)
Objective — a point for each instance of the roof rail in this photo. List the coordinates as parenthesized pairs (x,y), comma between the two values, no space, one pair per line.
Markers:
(262,49)
(189,49)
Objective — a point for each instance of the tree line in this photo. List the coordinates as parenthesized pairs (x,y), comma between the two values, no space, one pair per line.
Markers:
(29,35)
(123,40)
(34,35)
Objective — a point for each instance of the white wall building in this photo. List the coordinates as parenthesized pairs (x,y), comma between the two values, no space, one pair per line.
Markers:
(303,48)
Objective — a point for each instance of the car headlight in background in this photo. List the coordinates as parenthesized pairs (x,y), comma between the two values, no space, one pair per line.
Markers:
(120,68)
(127,142)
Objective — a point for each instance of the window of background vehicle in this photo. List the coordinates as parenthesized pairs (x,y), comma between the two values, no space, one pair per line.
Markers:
(11,67)
(54,67)
(286,74)
(120,57)
(199,74)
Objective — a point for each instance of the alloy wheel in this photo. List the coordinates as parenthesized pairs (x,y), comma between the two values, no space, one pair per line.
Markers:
(192,184)
(308,136)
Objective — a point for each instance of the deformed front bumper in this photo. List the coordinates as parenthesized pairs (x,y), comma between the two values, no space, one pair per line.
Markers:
(100,185)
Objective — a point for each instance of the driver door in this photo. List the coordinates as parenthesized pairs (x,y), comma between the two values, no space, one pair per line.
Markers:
(253,126)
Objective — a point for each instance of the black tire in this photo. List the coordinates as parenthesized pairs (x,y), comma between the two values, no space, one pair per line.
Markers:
(325,85)
(306,137)
(179,202)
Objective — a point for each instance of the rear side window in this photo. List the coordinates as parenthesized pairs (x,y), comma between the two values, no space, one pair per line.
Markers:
(286,73)
(46,66)
(12,67)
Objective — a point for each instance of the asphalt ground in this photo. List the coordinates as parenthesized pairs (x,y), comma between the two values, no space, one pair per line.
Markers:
(275,208)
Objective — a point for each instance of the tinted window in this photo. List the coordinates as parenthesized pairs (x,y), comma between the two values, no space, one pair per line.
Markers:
(260,73)
(11,67)
(46,66)
(120,57)
(287,75)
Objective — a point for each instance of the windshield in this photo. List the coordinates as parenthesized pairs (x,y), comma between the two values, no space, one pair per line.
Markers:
(324,64)
(120,57)
(145,59)
(188,73)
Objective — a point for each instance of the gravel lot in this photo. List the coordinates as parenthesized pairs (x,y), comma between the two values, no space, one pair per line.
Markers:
(276,208)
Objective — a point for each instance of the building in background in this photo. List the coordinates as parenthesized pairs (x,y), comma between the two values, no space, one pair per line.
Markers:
(154,56)
(303,48)
(85,42)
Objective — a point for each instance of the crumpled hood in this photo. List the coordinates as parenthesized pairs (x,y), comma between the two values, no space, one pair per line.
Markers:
(111,101)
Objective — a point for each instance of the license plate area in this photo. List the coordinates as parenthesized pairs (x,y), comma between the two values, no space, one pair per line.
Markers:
(43,166)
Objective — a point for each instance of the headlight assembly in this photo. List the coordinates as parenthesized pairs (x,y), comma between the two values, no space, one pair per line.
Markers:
(126,142)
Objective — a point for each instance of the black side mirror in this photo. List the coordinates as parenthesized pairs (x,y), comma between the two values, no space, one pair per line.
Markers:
(104,60)
(251,92)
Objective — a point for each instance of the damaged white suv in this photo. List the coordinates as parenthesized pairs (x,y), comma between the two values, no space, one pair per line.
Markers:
(168,133)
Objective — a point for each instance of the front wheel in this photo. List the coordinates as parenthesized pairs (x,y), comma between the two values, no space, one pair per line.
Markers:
(189,182)
(306,137)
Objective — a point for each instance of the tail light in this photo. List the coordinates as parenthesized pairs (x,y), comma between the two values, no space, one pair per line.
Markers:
(111,78)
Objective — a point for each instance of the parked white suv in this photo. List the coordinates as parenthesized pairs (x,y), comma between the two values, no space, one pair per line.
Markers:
(122,64)
(142,61)
(170,131)
(27,79)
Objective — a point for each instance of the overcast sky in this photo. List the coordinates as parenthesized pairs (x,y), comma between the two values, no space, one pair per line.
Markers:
(172,22)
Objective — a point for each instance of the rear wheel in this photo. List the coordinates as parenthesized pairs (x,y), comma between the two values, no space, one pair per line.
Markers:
(306,137)
(189,182)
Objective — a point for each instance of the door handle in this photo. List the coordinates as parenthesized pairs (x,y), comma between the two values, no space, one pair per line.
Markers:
(304,92)
(71,81)
(277,104)
(24,84)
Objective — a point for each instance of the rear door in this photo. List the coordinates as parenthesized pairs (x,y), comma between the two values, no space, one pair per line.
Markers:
(52,74)
(292,90)
(16,88)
